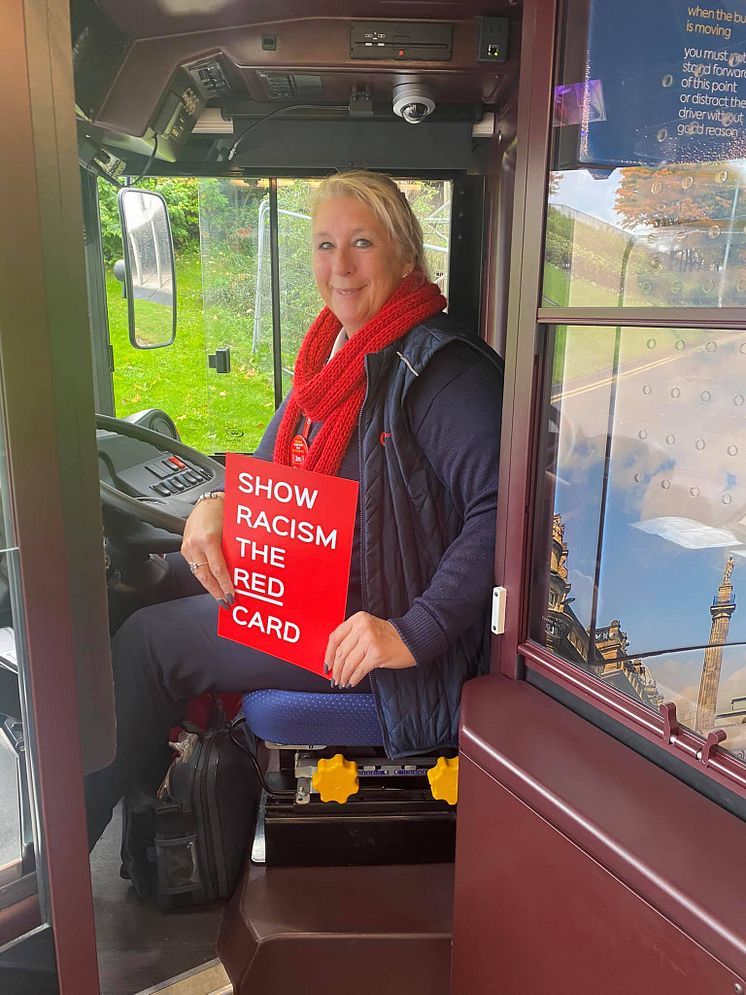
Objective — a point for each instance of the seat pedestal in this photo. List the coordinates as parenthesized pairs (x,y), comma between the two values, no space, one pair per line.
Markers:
(336,930)
(398,827)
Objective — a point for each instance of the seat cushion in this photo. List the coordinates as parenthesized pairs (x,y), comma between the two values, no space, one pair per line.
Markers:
(297,718)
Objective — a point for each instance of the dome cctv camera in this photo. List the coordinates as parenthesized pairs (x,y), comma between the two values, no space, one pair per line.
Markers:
(413,102)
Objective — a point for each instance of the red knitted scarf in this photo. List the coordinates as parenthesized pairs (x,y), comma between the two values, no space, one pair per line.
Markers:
(333,392)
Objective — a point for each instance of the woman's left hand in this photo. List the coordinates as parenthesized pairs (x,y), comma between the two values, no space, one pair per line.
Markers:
(361,644)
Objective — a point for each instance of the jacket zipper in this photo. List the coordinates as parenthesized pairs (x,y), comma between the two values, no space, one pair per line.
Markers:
(363,542)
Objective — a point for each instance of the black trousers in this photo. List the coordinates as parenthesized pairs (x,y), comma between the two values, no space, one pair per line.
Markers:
(162,657)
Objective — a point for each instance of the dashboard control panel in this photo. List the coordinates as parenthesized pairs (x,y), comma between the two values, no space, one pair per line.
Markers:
(145,471)
(175,475)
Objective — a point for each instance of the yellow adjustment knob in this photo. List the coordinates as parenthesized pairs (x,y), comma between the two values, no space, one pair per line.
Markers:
(336,779)
(443,778)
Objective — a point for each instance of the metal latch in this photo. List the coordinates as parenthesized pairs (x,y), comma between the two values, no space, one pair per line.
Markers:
(499,600)
(220,360)
(673,736)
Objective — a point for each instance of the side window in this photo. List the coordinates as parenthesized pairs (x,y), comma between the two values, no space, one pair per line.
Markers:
(17,842)
(641,537)
(234,251)
(648,528)
(172,378)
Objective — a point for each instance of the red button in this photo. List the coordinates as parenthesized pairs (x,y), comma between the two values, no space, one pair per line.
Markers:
(176,462)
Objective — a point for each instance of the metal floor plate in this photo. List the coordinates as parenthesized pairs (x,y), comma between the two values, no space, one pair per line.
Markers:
(210,979)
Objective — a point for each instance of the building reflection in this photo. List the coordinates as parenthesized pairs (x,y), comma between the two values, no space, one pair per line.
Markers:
(733,720)
(721,610)
(607,657)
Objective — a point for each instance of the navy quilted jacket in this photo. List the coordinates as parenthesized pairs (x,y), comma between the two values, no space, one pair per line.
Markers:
(408,520)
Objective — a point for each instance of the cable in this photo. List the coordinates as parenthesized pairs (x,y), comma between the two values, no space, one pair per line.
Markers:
(252,756)
(280,110)
(148,164)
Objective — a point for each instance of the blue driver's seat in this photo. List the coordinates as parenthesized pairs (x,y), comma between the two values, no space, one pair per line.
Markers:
(297,717)
(332,796)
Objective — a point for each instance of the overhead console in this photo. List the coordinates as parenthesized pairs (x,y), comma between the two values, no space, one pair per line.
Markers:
(405,41)
(172,95)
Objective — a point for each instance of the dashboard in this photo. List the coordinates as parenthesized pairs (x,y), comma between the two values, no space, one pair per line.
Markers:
(146,471)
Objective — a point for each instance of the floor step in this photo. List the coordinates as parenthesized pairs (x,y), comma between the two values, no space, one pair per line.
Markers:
(340,930)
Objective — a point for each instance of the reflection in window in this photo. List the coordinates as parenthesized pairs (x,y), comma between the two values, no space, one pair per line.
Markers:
(670,236)
(16,842)
(647,497)
(646,201)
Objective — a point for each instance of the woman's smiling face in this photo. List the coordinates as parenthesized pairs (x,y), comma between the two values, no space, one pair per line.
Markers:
(356,265)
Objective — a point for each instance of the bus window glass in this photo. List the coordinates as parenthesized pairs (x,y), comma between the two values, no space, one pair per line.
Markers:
(172,378)
(647,206)
(222,237)
(431,202)
(16,834)
(644,537)
(299,299)
(235,255)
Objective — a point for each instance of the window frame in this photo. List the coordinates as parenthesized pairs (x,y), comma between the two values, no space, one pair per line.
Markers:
(514,654)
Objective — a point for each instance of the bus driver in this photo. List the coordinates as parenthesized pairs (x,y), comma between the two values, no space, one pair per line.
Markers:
(387,391)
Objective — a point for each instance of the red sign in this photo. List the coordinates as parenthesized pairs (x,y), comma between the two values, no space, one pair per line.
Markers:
(287,540)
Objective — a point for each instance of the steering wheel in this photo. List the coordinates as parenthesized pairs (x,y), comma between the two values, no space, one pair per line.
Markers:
(167,513)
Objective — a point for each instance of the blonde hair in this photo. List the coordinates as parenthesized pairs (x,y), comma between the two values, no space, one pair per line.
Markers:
(388,204)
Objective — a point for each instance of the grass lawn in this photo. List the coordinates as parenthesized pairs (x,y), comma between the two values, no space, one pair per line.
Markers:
(556,290)
(224,413)
(589,349)
(213,412)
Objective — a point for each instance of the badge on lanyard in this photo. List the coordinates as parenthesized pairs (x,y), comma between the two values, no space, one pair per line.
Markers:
(299,445)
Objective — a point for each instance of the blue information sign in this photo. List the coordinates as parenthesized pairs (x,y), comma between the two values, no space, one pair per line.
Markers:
(665,81)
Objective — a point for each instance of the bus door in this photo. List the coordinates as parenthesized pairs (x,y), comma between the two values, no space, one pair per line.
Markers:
(56,704)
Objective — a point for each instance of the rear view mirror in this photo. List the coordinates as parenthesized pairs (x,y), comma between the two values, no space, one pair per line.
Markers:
(149,271)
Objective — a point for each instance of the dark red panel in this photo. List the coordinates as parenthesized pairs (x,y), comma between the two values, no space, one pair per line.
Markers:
(145,19)
(339,930)
(19,918)
(534,914)
(313,45)
(580,862)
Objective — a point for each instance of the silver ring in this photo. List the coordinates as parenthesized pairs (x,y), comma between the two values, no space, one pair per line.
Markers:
(194,567)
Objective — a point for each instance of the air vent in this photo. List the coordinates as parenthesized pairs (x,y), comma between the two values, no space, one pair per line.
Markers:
(287,86)
(210,78)
(277,86)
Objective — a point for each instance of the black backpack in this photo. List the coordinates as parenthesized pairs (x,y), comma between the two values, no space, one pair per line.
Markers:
(186,845)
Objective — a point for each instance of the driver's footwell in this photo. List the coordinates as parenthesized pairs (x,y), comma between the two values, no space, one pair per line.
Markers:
(140,947)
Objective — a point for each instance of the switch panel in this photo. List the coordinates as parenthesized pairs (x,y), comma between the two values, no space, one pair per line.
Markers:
(493,39)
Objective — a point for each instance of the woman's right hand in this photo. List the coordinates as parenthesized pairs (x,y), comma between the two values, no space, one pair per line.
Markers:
(203,551)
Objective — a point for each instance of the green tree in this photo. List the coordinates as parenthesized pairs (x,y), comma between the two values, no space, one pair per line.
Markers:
(180,194)
(679,194)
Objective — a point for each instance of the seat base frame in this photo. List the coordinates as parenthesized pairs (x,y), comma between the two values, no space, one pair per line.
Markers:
(395,826)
